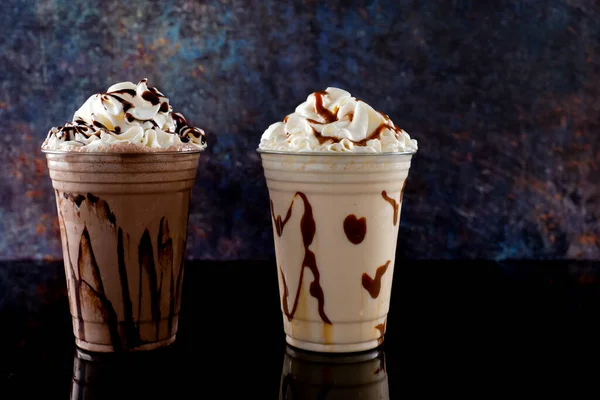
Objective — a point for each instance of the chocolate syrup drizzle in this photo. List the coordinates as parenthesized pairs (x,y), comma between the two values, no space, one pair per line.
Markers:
(355,228)
(76,279)
(323,112)
(395,204)
(124,103)
(75,199)
(279,224)
(132,335)
(165,260)
(151,97)
(373,285)
(308,229)
(87,260)
(146,261)
(185,130)
(126,334)
(381,328)
(182,128)
(70,129)
(332,116)
(102,209)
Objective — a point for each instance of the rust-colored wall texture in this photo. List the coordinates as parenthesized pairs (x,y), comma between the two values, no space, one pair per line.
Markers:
(504,101)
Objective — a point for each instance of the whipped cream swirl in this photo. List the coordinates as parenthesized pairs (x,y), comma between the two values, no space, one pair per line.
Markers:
(334,121)
(127,118)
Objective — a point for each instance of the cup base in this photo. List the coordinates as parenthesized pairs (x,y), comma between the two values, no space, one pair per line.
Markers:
(334,348)
(102,348)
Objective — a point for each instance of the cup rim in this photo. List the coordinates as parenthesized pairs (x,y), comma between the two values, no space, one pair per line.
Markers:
(335,154)
(126,154)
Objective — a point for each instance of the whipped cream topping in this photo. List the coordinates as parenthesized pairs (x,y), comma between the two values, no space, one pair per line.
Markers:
(334,121)
(128,117)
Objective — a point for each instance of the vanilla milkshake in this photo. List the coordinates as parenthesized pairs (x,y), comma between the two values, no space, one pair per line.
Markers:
(122,172)
(336,171)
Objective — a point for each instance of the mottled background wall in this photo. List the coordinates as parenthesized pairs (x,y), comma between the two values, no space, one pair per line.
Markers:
(504,101)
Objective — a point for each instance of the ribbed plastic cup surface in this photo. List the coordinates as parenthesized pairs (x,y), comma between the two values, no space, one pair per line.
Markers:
(335,223)
(123,223)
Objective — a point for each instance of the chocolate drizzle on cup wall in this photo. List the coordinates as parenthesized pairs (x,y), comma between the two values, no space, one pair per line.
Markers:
(308,229)
(75,199)
(373,285)
(91,294)
(355,228)
(102,209)
(147,266)
(76,299)
(395,204)
(279,223)
(381,328)
(132,336)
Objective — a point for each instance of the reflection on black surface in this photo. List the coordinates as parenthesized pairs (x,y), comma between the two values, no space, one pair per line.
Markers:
(315,376)
(126,375)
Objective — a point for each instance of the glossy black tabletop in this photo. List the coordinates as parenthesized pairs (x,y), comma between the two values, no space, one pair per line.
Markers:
(452,325)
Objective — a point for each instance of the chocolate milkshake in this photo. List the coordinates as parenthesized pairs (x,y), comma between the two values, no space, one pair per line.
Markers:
(122,172)
(336,171)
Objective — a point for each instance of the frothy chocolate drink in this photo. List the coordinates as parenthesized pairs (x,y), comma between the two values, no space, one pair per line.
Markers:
(123,180)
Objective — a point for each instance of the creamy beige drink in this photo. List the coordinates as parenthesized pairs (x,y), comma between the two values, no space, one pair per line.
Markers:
(122,172)
(308,376)
(336,170)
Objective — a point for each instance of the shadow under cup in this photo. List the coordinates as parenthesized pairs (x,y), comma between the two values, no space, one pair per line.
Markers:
(335,222)
(123,224)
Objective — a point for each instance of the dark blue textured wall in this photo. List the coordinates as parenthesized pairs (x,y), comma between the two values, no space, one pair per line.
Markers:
(504,101)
